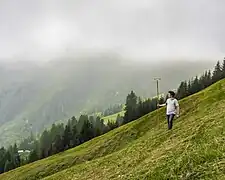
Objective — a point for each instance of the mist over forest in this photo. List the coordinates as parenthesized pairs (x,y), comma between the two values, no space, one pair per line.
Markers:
(71,57)
(34,96)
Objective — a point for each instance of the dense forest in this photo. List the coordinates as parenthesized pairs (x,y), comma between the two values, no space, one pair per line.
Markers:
(61,137)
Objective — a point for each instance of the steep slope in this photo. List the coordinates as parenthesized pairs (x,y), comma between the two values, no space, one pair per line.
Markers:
(145,149)
(35,96)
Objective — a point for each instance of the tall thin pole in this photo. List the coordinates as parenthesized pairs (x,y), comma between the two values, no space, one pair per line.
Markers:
(157,88)
(157,92)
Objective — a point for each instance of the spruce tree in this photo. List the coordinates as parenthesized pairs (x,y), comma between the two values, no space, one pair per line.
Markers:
(153,105)
(98,126)
(217,73)
(53,132)
(15,157)
(91,119)
(8,155)
(2,159)
(33,156)
(81,121)
(202,81)
(195,86)
(182,90)
(73,121)
(58,145)
(146,106)
(130,109)
(75,136)
(45,142)
(67,137)
(87,131)
(139,107)
(209,78)
(189,88)
(223,69)
(8,166)
(185,89)
(50,150)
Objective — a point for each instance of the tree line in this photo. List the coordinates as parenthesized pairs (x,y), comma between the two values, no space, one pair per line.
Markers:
(61,137)
(136,108)
(9,158)
(197,84)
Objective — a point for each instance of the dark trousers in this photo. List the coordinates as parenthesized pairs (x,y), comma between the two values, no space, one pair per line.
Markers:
(170,120)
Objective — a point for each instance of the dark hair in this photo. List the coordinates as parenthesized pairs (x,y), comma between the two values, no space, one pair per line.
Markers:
(172,93)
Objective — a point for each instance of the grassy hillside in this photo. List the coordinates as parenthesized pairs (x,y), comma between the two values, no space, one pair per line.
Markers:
(113,116)
(145,149)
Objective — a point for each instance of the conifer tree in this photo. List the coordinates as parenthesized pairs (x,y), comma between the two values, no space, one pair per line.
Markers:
(33,156)
(182,90)
(45,142)
(130,109)
(67,137)
(8,165)
(75,136)
(217,73)
(223,68)
(73,121)
(15,157)
(87,131)
(58,145)
(2,159)
(189,88)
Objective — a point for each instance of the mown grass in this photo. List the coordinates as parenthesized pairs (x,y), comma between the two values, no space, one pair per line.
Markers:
(145,149)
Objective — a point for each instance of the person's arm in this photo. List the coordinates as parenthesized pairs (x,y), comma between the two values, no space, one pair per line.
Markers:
(177,108)
(161,105)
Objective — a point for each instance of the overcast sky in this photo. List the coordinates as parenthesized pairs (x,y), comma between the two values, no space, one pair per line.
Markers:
(134,28)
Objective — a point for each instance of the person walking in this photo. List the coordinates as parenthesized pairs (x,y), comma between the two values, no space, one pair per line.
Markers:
(172,108)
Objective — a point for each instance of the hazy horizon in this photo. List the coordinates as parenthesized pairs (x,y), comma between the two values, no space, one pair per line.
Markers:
(139,30)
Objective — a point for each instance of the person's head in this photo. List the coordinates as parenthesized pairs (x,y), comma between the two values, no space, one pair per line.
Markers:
(171,94)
